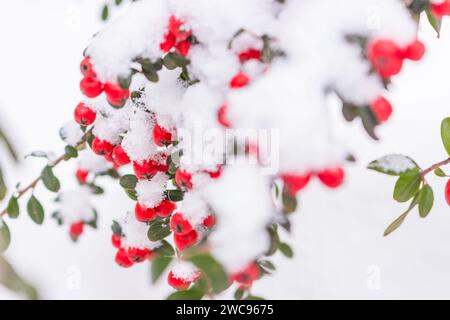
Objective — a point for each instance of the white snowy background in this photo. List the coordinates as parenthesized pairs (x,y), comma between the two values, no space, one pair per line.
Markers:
(337,235)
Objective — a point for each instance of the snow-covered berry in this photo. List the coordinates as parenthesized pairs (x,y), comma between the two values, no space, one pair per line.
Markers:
(116,95)
(144,214)
(185,241)
(179,224)
(122,259)
(90,86)
(161,136)
(145,169)
(119,156)
(101,147)
(183,179)
(84,115)
(165,208)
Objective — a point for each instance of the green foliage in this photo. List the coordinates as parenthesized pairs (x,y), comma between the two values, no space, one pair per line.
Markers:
(13,281)
(445,134)
(35,210)
(286,250)
(5,236)
(158,266)
(426,200)
(13,208)
(212,270)
(159,229)
(49,180)
(384,164)
(407,185)
(191,294)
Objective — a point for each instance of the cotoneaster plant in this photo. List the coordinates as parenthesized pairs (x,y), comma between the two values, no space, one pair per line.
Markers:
(165,69)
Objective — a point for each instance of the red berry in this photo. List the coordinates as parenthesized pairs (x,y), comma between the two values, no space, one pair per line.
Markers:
(119,156)
(250,54)
(441,9)
(86,66)
(116,95)
(145,169)
(295,182)
(144,214)
(81,175)
(216,174)
(161,136)
(332,177)
(382,109)
(137,254)
(180,225)
(168,43)
(84,115)
(183,47)
(165,208)
(447,192)
(185,241)
(386,57)
(178,283)
(415,51)
(209,221)
(248,275)
(116,241)
(122,259)
(183,179)
(222,116)
(90,86)
(176,28)
(101,147)
(76,229)
(240,80)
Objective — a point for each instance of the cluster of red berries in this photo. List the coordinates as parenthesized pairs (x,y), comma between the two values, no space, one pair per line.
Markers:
(441,9)
(92,87)
(246,277)
(177,37)
(387,57)
(128,256)
(330,177)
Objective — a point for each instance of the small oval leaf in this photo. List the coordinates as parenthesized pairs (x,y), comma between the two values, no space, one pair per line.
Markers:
(445,134)
(426,200)
(50,181)
(5,236)
(35,210)
(13,208)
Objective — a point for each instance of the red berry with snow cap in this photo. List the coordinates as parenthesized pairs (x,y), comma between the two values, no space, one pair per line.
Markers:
(101,147)
(165,208)
(90,86)
(332,177)
(183,179)
(86,66)
(137,254)
(168,43)
(382,109)
(180,283)
(295,182)
(176,27)
(415,51)
(180,225)
(215,174)
(185,241)
(84,115)
(116,241)
(161,136)
(240,80)
(209,221)
(246,277)
(122,259)
(81,175)
(386,57)
(250,54)
(76,229)
(119,156)
(116,95)
(145,169)
(144,214)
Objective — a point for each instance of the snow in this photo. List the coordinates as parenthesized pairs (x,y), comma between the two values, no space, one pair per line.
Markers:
(396,163)
(75,206)
(184,270)
(194,208)
(91,162)
(71,133)
(136,234)
(151,192)
(240,234)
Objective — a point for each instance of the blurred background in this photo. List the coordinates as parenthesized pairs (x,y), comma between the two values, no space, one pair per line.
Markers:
(337,236)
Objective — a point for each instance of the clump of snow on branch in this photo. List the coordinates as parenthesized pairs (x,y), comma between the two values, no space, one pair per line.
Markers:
(184,270)
(75,206)
(135,234)
(151,192)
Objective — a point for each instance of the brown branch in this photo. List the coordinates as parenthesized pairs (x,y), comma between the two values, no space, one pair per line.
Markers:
(434,167)
(34,183)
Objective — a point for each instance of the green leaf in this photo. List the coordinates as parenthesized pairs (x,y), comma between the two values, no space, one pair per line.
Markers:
(445,134)
(435,22)
(426,200)
(105,12)
(50,181)
(132,194)
(95,189)
(440,173)
(175,195)
(70,152)
(125,82)
(274,240)
(399,221)
(5,236)
(169,62)
(35,210)
(266,264)
(116,229)
(390,164)
(158,266)
(13,208)
(9,146)
(289,203)
(286,250)
(94,221)
(407,186)
(14,282)
(239,294)
(254,298)
(191,294)
(128,181)
(118,2)
(158,230)
(165,250)
(211,269)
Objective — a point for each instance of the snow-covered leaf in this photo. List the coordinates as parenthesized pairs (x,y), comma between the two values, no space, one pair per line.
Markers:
(393,164)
